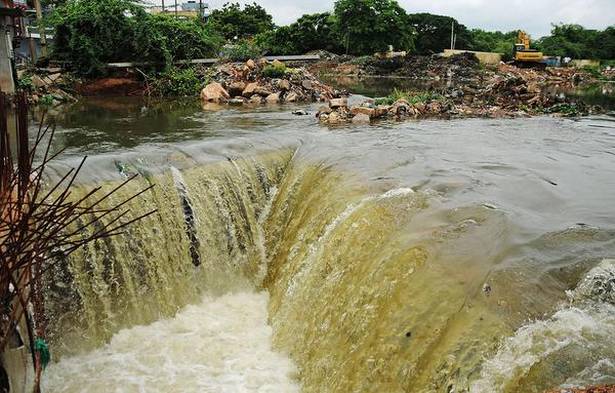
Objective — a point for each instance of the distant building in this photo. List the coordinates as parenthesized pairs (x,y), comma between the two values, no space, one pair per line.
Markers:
(190,8)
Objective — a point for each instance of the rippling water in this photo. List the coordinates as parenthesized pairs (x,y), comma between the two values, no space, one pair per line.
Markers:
(420,256)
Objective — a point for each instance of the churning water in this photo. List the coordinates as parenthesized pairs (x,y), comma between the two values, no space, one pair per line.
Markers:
(432,256)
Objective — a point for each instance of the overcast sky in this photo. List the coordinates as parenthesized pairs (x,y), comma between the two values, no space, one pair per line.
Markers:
(534,16)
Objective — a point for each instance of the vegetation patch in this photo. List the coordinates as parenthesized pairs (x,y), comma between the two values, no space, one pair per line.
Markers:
(178,82)
(274,70)
(412,97)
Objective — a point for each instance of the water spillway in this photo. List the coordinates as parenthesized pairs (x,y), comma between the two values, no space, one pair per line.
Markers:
(375,269)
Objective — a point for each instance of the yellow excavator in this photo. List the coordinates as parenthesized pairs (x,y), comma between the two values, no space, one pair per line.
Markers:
(524,56)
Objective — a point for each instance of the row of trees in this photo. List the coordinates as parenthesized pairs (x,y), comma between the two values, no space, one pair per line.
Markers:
(90,33)
(365,26)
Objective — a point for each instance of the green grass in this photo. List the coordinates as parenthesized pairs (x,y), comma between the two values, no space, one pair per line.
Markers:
(412,97)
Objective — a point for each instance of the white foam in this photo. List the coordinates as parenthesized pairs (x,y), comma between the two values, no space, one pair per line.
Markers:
(221,345)
(589,323)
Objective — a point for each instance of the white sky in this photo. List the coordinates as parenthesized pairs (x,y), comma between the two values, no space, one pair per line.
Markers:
(534,16)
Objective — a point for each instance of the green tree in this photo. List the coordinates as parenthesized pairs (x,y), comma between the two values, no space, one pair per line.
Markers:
(605,44)
(91,33)
(235,22)
(570,40)
(433,33)
(493,41)
(310,32)
(368,26)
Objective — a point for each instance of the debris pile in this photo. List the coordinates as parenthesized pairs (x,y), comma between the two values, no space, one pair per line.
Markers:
(510,92)
(47,86)
(338,112)
(259,82)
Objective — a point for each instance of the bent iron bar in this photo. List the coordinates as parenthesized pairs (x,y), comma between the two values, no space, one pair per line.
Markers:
(34,226)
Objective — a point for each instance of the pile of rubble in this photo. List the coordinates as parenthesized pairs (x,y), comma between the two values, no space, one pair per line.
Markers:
(248,83)
(458,68)
(511,92)
(46,85)
(338,112)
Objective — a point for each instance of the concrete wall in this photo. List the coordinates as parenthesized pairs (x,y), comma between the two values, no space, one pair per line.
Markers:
(487,58)
(7,83)
(580,63)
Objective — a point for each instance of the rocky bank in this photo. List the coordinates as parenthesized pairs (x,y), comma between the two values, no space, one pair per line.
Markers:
(260,82)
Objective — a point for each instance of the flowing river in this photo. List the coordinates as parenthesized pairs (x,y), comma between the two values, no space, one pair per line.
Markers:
(430,256)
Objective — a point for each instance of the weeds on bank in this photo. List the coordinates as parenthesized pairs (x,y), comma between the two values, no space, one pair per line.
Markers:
(412,97)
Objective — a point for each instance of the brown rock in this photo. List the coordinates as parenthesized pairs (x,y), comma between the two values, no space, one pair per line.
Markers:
(236,88)
(214,92)
(256,99)
(307,84)
(262,62)
(338,102)
(400,107)
(263,91)
(355,110)
(273,98)
(292,97)
(283,84)
(381,110)
(360,118)
(250,89)
(250,64)
(336,118)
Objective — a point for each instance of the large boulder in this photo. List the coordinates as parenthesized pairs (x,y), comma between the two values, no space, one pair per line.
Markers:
(283,84)
(338,103)
(236,88)
(263,91)
(360,118)
(292,97)
(214,92)
(356,110)
(273,98)
(250,89)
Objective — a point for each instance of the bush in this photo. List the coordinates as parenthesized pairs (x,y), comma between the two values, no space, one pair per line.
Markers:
(235,22)
(310,32)
(244,50)
(91,33)
(184,82)
(275,70)
(411,97)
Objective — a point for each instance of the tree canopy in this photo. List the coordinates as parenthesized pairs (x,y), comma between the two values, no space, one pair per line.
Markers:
(433,33)
(91,33)
(368,26)
(310,32)
(578,42)
(236,22)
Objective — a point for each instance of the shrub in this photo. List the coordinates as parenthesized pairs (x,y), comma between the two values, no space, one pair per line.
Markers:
(275,70)
(178,82)
(91,33)
(411,97)
(242,51)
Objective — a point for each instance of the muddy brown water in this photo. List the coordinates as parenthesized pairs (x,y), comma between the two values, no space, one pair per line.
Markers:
(420,256)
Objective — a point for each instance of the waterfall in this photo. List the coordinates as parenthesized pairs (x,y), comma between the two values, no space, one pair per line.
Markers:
(368,287)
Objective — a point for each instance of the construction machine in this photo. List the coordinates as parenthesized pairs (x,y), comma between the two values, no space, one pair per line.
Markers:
(524,56)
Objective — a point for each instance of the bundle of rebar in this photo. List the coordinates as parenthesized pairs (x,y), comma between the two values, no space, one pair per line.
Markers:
(41,222)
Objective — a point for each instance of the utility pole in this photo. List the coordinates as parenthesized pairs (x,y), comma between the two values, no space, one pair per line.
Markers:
(41,27)
(201,14)
(176,8)
(163,6)
(452,35)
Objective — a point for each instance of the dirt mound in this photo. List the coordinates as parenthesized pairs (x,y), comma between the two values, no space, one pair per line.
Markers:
(110,87)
